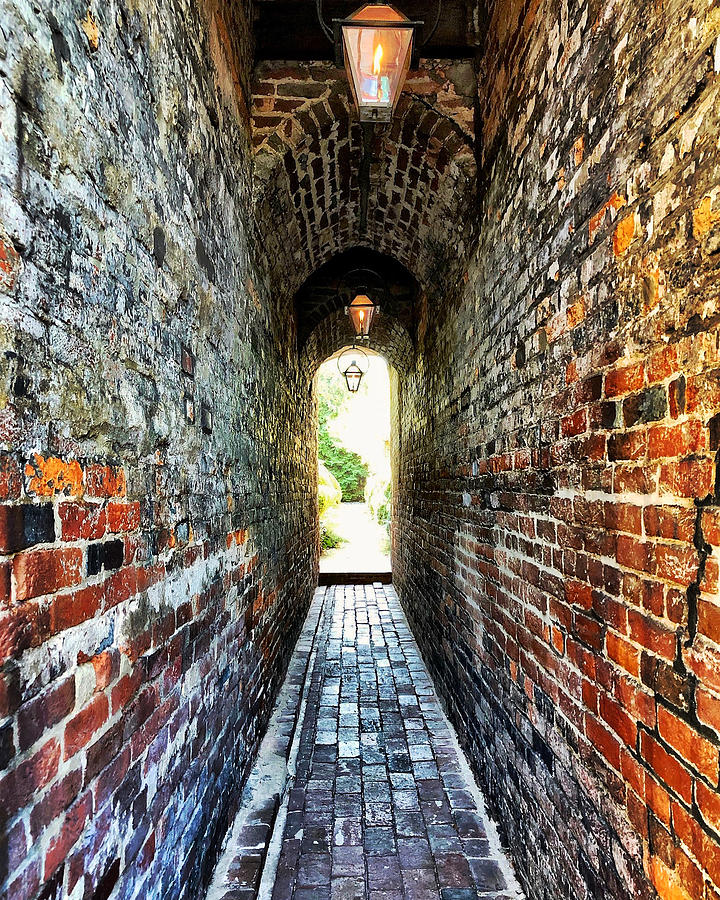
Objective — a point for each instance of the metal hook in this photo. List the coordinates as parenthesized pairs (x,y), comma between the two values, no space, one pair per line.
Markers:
(326,31)
(435,25)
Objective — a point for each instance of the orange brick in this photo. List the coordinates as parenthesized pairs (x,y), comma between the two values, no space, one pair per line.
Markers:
(623,517)
(657,798)
(634,554)
(638,702)
(614,203)
(623,653)
(123,516)
(104,481)
(618,720)
(624,380)
(699,753)
(578,593)
(688,478)
(604,742)
(672,522)
(82,521)
(49,476)
(662,364)
(676,563)
(667,882)
(624,234)
(700,845)
(711,526)
(652,635)
(668,441)
(709,620)
(708,802)
(708,708)
(633,773)
(80,729)
(575,423)
(72,827)
(666,767)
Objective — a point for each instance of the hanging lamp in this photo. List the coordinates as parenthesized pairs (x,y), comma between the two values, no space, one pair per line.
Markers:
(349,366)
(361,291)
(377,44)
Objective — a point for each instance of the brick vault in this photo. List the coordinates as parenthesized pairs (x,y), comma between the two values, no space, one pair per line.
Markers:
(183,185)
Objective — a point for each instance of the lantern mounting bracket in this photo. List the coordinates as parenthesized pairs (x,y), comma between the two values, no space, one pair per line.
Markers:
(353,373)
(362,281)
(325,30)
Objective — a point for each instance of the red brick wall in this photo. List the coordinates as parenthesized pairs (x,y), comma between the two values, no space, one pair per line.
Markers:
(155,567)
(557,544)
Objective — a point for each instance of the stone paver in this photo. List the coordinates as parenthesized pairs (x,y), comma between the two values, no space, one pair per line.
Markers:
(381,807)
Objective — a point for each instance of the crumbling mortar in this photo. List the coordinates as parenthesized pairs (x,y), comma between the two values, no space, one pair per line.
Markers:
(704,550)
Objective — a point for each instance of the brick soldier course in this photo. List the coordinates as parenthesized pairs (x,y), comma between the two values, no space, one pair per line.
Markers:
(548,197)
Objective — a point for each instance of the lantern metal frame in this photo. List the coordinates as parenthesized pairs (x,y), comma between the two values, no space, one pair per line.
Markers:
(362,372)
(331,35)
(362,315)
(375,114)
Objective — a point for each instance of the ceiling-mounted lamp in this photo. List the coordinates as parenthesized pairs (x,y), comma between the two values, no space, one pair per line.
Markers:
(376,44)
(362,312)
(349,366)
(362,290)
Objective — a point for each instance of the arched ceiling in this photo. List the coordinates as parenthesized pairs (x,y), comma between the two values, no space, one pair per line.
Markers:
(308,151)
(321,295)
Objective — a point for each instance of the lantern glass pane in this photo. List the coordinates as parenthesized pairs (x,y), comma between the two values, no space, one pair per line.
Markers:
(377,59)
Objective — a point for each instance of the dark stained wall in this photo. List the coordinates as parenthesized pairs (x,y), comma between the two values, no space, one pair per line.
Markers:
(556,542)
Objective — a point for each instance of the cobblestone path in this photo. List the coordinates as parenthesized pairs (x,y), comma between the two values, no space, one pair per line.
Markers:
(382,807)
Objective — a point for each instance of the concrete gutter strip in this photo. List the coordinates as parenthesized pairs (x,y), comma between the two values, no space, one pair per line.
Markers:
(252,848)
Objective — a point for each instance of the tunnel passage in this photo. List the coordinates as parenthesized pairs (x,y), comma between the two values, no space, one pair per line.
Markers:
(323,326)
(307,190)
(550,180)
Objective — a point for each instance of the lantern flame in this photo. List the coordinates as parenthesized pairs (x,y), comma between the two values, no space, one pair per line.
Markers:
(377,59)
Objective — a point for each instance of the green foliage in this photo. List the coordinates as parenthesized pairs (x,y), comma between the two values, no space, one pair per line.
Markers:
(378,496)
(329,538)
(329,490)
(347,467)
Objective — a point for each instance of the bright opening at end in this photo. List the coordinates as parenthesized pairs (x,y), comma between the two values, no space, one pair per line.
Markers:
(354,481)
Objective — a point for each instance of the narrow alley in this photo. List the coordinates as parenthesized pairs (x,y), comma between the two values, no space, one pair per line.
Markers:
(220,221)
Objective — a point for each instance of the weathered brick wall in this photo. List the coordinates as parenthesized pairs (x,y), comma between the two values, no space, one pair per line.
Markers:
(154,570)
(557,542)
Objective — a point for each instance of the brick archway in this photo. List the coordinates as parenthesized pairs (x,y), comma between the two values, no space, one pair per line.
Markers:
(390,339)
(307,189)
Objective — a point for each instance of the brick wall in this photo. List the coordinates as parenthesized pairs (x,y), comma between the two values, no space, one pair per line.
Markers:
(557,545)
(158,539)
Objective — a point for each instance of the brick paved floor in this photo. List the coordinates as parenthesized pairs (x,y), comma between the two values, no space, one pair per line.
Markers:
(381,807)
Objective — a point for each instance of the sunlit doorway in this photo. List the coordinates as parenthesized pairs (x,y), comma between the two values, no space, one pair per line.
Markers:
(354,476)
